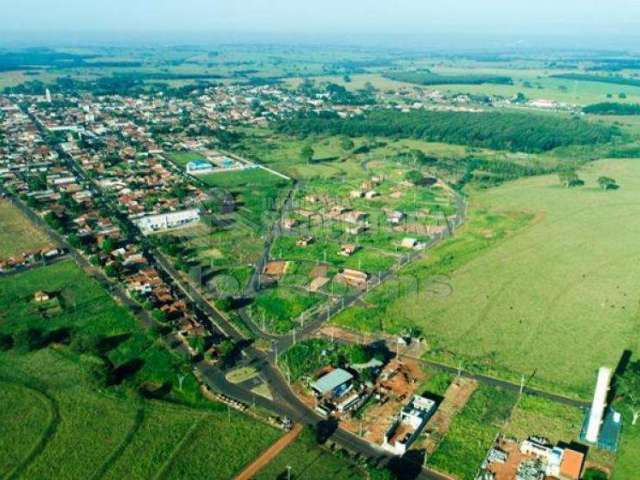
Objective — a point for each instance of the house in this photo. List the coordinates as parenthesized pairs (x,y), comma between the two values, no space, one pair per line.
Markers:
(335,384)
(412,419)
(355,217)
(356,194)
(304,241)
(348,250)
(289,223)
(395,217)
(409,243)
(354,278)
(41,296)
(371,194)
(571,464)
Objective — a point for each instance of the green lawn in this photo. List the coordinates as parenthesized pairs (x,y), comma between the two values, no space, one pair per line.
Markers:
(538,300)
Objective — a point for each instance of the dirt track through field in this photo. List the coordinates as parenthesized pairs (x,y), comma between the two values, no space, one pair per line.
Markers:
(269,454)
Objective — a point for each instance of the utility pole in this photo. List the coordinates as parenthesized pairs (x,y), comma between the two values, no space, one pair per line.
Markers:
(459,369)
(522,380)
(288,472)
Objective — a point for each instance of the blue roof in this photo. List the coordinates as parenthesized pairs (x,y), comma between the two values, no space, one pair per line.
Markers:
(332,380)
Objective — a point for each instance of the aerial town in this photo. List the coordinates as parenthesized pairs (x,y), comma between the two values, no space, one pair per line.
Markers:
(294,259)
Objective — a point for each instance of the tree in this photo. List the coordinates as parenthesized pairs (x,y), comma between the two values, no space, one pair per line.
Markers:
(346,143)
(628,386)
(414,176)
(570,178)
(607,183)
(307,153)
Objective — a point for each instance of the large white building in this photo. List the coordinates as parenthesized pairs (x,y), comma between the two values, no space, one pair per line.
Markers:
(166,221)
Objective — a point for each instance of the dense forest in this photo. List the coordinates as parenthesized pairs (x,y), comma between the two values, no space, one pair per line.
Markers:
(587,77)
(497,130)
(612,108)
(426,77)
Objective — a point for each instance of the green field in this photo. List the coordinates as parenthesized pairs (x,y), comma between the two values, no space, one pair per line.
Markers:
(65,419)
(60,424)
(541,417)
(310,462)
(18,234)
(537,300)
(472,432)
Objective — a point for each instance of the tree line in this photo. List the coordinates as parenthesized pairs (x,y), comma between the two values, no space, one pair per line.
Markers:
(613,108)
(496,130)
(428,78)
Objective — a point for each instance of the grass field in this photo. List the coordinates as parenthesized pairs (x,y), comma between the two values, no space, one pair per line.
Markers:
(310,462)
(541,417)
(628,462)
(17,233)
(472,432)
(537,301)
(71,429)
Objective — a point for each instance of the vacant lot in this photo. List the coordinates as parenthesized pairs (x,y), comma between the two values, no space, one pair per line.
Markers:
(310,462)
(473,432)
(17,233)
(553,300)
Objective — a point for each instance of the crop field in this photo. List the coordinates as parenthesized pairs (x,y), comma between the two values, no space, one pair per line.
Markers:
(537,299)
(70,429)
(17,233)
(311,462)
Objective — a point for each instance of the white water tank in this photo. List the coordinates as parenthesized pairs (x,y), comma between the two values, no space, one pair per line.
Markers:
(599,404)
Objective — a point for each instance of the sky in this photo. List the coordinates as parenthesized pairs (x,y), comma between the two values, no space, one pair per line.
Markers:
(576,19)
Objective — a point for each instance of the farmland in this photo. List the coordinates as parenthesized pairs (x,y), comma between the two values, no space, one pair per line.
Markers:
(73,429)
(18,234)
(73,423)
(515,301)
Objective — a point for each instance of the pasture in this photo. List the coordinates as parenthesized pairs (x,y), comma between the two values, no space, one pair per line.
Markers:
(543,283)
(17,234)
